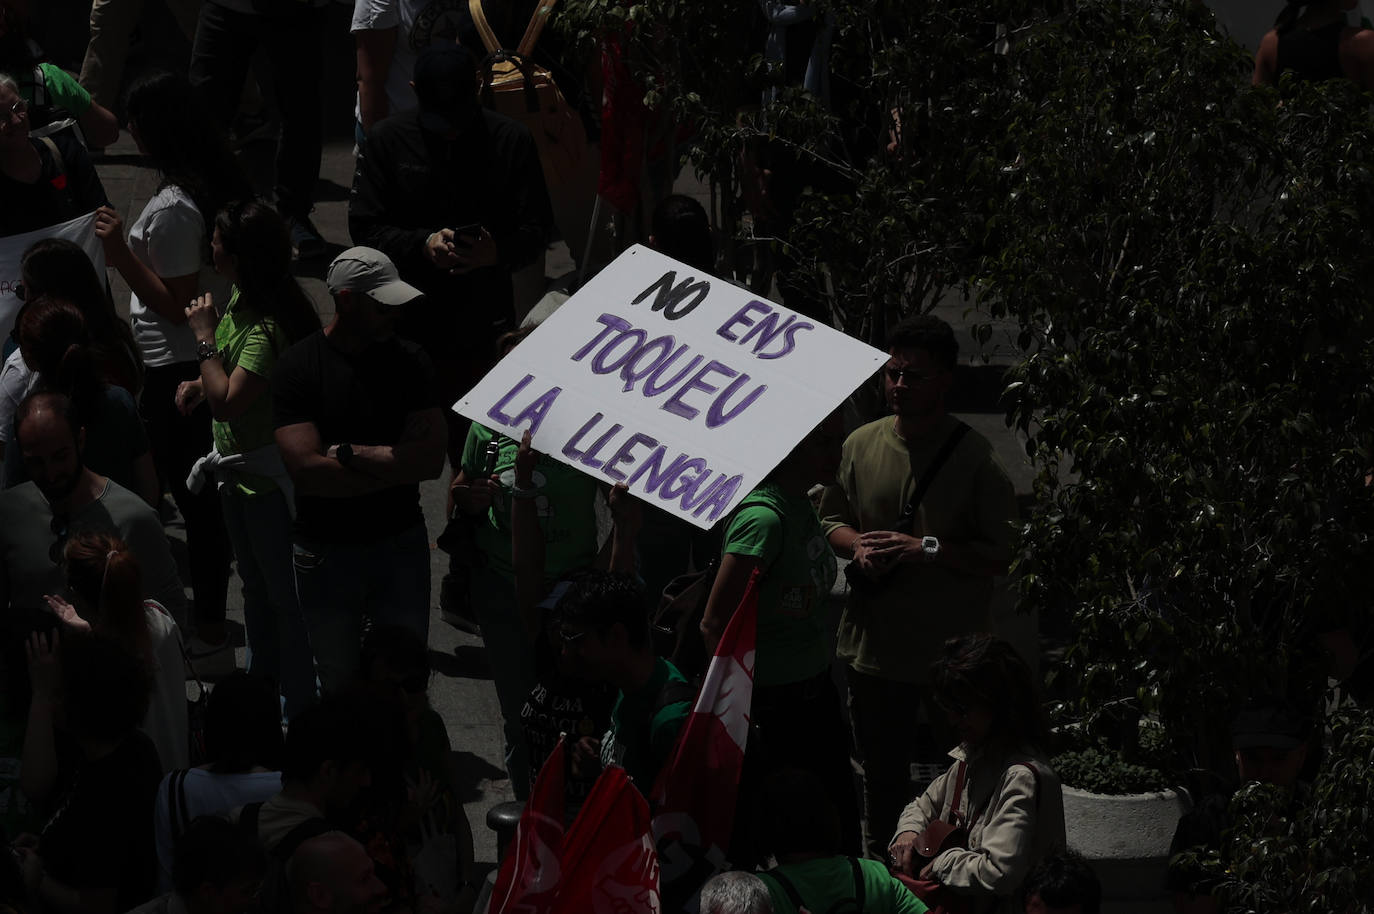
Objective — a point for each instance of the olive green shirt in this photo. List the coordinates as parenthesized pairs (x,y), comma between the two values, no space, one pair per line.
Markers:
(896,631)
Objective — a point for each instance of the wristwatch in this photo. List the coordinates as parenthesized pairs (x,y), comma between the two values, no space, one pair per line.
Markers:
(930,545)
(344,454)
(206,350)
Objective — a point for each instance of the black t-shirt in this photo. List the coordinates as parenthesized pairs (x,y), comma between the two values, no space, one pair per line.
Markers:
(358,397)
(102,833)
(560,703)
(62,192)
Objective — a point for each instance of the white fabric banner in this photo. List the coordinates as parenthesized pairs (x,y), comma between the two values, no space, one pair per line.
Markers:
(681,385)
(80,230)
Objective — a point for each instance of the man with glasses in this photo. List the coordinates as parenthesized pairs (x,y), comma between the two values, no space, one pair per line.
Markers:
(63,498)
(924,509)
(359,425)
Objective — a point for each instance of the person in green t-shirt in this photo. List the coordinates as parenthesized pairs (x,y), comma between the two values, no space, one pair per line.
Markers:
(565,501)
(50,91)
(803,834)
(796,705)
(605,629)
(267,312)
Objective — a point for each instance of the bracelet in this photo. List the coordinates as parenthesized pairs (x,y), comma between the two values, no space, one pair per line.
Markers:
(518,491)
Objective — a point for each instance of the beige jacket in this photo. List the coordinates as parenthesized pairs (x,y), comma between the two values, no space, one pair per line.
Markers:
(1016,818)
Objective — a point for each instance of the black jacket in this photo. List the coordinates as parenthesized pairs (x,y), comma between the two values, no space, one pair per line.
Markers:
(411,182)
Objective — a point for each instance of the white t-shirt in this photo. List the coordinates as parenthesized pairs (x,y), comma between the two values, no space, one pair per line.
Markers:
(419,24)
(17,380)
(206,794)
(166,722)
(170,238)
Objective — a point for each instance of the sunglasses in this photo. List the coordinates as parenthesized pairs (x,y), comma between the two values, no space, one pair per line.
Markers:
(896,375)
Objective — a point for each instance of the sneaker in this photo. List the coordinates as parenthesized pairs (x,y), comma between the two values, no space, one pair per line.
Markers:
(305,238)
(211,661)
(454,610)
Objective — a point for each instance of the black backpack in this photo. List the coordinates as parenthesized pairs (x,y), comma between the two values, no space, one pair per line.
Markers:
(853,905)
(275,897)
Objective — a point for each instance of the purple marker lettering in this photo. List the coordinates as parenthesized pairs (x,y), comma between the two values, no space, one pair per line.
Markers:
(610,323)
(675,404)
(589,458)
(717,415)
(599,362)
(570,450)
(719,498)
(699,493)
(537,410)
(789,339)
(631,373)
(495,411)
(624,456)
(683,482)
(651,386)
(653,465)
(742,317)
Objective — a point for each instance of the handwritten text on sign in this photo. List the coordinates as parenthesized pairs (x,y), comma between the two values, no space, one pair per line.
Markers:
(680,385)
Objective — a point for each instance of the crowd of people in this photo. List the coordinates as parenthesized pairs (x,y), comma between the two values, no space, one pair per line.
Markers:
(294,454)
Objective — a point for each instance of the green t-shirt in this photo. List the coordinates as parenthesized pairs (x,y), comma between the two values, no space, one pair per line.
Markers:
(644,726)
(565,504)
(63,90)
(253,344)
(785,535)
(827,883)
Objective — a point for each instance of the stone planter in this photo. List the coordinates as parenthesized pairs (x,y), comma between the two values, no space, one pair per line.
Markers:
(1126,838)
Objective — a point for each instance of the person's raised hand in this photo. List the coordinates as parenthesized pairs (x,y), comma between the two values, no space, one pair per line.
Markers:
(66,612)
(525,459)
(202,317)
(627,512)
(44,671)
(109,228)
(480,252)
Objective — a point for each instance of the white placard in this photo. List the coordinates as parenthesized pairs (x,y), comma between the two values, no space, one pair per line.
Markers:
(681,385)
(80,230)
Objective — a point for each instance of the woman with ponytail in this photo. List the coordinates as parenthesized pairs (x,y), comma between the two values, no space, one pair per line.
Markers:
(105,589)
(57,347)
(267,312)
(1311,39)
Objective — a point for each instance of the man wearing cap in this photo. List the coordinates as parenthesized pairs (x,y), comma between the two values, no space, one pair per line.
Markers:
(359,425)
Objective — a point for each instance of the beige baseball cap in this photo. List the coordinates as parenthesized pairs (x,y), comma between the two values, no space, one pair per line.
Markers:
(372,273)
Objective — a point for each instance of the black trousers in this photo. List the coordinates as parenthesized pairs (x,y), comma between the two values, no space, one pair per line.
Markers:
(225,43)
(177,442)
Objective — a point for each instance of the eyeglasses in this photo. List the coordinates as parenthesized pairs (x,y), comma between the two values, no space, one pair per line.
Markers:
(571,637)
(18,109)
(58,528)
(18,290)
(897,375)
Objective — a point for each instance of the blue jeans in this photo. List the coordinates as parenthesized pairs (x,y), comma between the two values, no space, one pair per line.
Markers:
(511,657)
(278,643)
(339,584)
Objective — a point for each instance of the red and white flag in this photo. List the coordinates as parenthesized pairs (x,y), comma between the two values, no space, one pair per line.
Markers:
(694,798)
(532,869)
(609,863)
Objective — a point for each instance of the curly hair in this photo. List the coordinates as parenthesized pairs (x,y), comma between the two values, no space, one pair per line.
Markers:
(985,669)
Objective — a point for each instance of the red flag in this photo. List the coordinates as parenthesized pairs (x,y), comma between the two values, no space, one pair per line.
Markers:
(694,798)
(609,862)
(623,125)
(530,872)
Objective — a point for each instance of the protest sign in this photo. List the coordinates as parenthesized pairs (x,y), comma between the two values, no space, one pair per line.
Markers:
(80,230)
(682,386)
